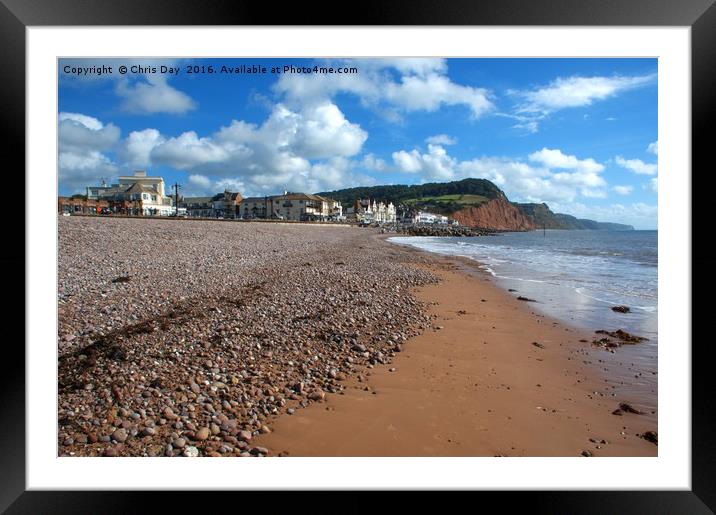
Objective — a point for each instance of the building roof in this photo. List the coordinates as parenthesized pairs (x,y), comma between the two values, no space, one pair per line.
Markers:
(195,200)
(138,187)
(255,199)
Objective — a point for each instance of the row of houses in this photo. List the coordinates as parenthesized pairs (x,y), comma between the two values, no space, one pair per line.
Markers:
(138,195)
(143,195)
(292,206)
(367,212)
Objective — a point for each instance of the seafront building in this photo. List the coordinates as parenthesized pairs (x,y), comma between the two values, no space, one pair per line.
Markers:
(222,205)
(369,212)
(143,195)
(291,206)
(423,217)
(137,194)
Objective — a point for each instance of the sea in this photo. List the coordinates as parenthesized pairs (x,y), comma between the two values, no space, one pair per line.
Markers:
(575,276)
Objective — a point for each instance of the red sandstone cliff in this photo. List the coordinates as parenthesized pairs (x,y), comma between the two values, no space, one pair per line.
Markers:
(497,214)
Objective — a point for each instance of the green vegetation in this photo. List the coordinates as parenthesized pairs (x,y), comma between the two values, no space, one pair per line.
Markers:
(443,194)
(448,197)
(465,200)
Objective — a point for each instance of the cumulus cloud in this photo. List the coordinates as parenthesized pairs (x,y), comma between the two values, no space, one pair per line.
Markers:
(82,142)
(306,149)
(555,158)
(420,85)
(441,139)
(637,166)
(654,184)
(371,162)
(547,175)
(187,151)
(653,148)
(623,190)
(139,145)
(78,132)
(148,93)
(155,95)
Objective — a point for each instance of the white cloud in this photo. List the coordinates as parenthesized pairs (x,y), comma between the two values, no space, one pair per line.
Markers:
(623,190)
(139,145)
(569,92)
(578,92)
(78,132)
(409,162)
(637,166)
(153,96)
(653,148)
(555,177)
(149,93)
(200,181)
(79,170)
(554,158)
(306,149)
(422,85)
(441,139)
(654,184)
(429,93)
(187,151)
(371,162)
(82,141)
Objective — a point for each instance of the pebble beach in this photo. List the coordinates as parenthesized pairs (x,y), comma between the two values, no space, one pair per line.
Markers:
(194,338)
(188,338)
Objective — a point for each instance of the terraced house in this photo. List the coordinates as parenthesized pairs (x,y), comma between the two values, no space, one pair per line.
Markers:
(291,206)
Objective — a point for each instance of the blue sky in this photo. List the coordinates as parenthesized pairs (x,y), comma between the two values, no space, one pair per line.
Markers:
(578,134)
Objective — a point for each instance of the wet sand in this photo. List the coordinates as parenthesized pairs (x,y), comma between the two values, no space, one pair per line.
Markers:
(477,385)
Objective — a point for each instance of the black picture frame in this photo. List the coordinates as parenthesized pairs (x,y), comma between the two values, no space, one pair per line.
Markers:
(16,15)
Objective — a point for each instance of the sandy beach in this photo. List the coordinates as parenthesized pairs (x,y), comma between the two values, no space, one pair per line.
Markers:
(192,338)
(490,378)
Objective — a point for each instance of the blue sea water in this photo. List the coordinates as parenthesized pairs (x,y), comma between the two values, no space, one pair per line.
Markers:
(576,276)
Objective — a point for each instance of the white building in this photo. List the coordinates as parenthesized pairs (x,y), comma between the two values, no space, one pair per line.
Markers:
(145,193)
(374,212)
(423,217)
(291,206)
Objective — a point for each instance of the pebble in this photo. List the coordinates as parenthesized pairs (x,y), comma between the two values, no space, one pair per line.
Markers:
(191,452)
(259,451)
(120,435)
(188,339)
(202,434)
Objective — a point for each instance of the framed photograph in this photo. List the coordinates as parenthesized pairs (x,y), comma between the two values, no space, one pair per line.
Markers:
(440,249)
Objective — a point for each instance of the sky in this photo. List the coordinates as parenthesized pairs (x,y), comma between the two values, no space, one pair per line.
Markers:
(577,134)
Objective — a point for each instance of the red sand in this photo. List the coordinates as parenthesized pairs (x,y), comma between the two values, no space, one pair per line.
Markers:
(476,387)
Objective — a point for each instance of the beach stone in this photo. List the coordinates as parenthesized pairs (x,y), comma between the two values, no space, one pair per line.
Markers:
(245,436)
(202,434)
(149,431)
(317,395)
(191,452)
(120,435)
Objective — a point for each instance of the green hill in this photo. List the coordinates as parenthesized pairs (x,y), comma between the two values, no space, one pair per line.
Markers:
(442,197)
(450,197)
